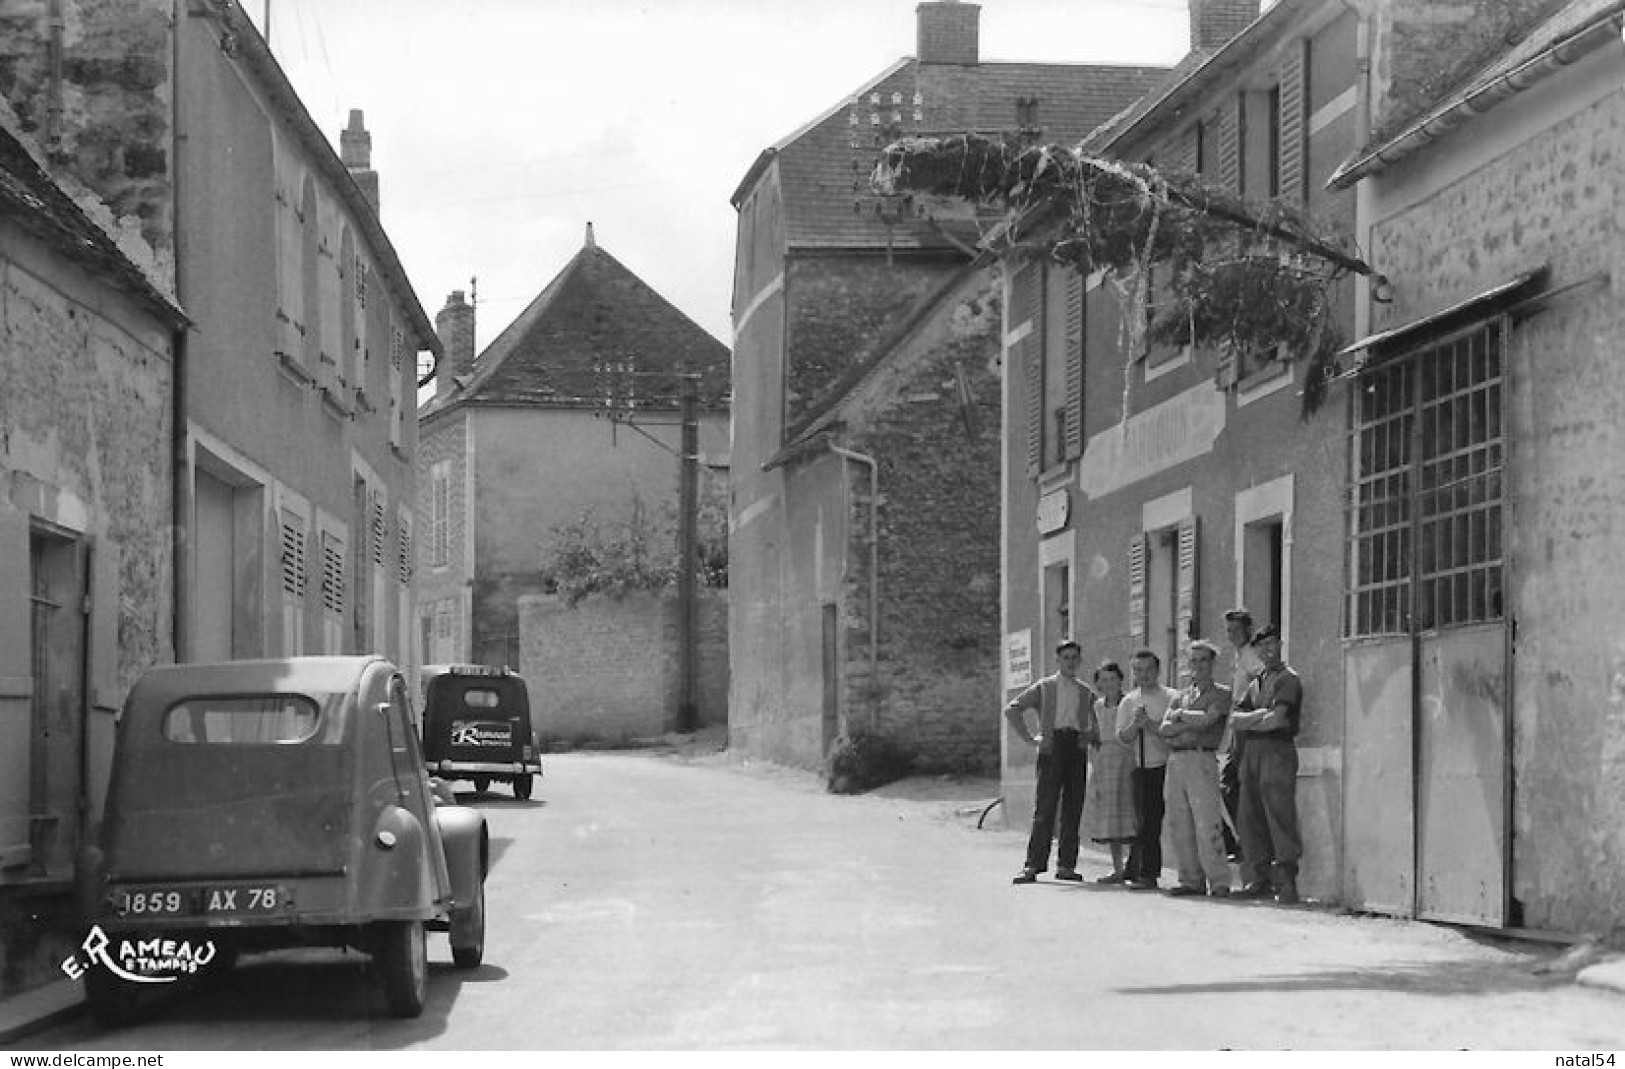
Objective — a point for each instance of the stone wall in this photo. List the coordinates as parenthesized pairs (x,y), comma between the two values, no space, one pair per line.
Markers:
(607,672)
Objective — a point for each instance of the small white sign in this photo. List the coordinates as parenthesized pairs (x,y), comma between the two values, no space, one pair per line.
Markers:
(1018,659)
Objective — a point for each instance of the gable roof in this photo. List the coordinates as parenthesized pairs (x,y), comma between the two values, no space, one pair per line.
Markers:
(595,328)
(33,200)
(1572,31)
(824,179)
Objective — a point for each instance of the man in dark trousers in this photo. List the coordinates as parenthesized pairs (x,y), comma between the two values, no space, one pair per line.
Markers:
(1266,719)
(1065,728)
(1138,716)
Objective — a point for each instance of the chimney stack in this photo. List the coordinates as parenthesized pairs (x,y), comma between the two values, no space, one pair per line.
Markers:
(948,31)
(355,152)
(1215,22)
(455,326)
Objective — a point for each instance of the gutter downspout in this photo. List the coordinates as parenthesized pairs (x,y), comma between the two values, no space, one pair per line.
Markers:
(181,485)
(874,575)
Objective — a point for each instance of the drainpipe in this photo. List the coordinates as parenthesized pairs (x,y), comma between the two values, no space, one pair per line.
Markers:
(181,482)
(874,576)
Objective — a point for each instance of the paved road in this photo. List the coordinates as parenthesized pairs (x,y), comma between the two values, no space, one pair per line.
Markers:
(645,902)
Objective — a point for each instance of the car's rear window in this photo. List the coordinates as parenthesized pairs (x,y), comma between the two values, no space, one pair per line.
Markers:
(481,699)
(270,720)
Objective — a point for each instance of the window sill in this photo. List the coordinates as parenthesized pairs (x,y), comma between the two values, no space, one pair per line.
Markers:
(1173,363)
(1263,382)
(334,405)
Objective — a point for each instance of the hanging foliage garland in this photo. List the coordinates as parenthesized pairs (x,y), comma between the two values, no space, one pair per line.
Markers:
(1250,279)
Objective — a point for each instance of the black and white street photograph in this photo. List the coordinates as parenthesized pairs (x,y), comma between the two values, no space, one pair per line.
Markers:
(752,525)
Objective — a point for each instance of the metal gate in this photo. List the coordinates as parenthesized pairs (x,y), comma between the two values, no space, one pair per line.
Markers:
(1427,753)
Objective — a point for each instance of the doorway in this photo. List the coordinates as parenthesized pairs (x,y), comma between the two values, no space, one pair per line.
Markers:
(59,633)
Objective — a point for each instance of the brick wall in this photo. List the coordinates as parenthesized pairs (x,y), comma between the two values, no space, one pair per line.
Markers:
(606,671)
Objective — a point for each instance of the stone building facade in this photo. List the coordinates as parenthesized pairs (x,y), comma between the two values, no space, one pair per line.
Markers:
(1485,736)
(863,544)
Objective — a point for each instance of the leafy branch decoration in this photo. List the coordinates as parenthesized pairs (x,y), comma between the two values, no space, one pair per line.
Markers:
(1250,279)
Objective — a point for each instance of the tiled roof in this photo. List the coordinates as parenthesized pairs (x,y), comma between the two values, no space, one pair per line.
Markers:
(29,197)
(594,330)
(818,168)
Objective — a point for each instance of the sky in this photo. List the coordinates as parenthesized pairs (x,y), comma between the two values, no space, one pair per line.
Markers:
(501,128)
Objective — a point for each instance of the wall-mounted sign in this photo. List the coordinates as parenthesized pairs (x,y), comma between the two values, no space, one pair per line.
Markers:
(1018,659)
(1179,429)
(1054,511)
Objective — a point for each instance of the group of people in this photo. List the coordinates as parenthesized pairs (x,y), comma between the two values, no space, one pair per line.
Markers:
(1215,762)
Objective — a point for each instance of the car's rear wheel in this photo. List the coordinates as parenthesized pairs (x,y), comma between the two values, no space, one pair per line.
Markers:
(113,1002)
(401,956)
(468,932)
(481,782)
(521,786)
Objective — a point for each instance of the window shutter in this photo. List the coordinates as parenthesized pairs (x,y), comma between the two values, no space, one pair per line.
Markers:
(1024,304)
(1291,150)
(16,682)
(404,561)
(332,573)
(1230,145)
(1188,150)
(1185,588)
(1136,590)
(293,554)
(1073,354)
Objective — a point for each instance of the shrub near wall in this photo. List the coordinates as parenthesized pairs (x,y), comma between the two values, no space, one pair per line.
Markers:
(606,672)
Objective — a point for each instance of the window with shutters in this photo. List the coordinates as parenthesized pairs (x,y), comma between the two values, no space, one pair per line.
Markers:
(1163,586)
(397,390)
(1048,305)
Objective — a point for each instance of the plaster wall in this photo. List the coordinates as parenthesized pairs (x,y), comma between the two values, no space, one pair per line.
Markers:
(606,670)
(536,469)
(1536,185)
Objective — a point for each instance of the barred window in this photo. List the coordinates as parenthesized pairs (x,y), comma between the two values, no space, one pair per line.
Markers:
(1426,493)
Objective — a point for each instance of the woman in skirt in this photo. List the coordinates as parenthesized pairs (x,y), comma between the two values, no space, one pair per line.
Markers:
(1108,808)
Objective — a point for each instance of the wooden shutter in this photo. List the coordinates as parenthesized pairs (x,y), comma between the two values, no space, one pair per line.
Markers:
(1224,370)
(1230,144)
(1136,590)
(16,684)
(1024,305)
(1188,149)
(1291,148)
(1073,354)
(1185,611)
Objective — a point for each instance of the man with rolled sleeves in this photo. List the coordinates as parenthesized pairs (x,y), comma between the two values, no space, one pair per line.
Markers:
(1192,727)
(1065,728)
(1138,715)
(1266,719)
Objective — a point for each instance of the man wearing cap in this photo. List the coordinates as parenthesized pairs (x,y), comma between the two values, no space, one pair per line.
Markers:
(1138,715)
(1192,727)
(1244,665)
(1065,728)
(1265,719)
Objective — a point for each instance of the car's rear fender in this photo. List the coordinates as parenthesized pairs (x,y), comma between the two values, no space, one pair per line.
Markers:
(393,873)
(468,851)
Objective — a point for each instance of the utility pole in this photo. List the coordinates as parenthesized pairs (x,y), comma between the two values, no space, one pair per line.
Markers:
(687,539)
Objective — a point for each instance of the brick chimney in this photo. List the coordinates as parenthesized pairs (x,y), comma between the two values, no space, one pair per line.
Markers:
(1215,22)
(455,326)
(948,31)
(355,152)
